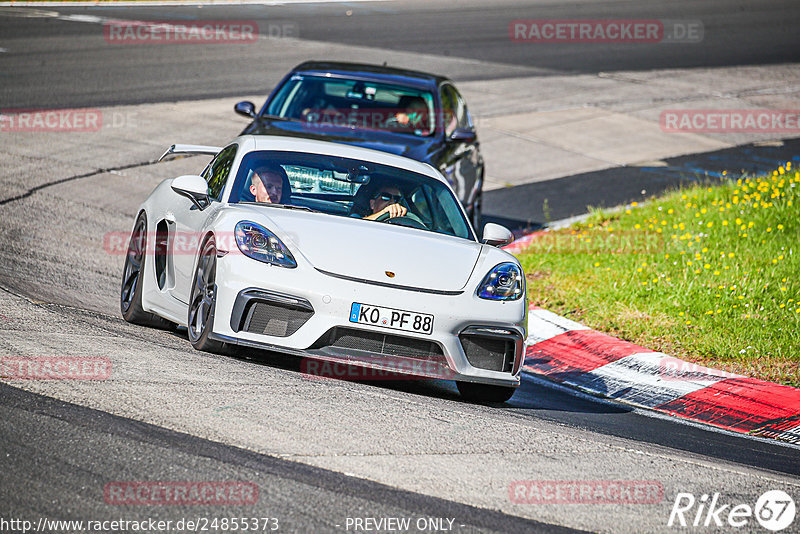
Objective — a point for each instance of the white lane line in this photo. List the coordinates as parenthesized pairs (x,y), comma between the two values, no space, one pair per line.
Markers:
(644,379)
(3,50)
(543,325)
(82,18)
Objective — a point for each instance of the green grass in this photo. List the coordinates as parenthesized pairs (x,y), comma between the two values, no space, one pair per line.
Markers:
(707,274)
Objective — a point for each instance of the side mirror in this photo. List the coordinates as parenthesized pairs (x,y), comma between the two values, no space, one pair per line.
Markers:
(194,188)
(463,135)
(496,235)
(248,109)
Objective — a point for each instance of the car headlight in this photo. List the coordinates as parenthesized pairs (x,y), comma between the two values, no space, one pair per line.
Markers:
(260,244)
(504,282)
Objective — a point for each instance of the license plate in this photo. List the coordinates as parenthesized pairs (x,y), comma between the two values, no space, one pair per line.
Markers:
(408,321)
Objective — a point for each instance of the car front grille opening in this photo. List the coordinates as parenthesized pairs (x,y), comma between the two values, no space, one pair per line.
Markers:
(272,319)
(379,343)
(490,353)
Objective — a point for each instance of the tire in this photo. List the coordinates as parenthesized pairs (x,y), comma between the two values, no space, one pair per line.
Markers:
(203,301)
(130,293)
(484,392)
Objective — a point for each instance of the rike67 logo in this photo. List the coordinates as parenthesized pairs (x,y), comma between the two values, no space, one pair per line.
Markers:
(774,510)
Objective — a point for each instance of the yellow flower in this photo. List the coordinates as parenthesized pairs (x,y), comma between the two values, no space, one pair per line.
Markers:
(780,227)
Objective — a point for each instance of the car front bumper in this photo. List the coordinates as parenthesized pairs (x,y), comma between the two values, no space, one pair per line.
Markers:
(314,322)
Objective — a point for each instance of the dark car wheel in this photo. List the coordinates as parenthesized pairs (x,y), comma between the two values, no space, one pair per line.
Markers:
(484,392)
(130,295)
(202,302)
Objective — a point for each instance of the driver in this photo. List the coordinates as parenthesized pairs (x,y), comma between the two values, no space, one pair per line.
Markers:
(267,183)
(386,200)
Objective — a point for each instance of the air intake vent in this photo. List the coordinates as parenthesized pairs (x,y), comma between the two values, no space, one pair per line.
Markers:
(490,353)
(378,343)
(274,319)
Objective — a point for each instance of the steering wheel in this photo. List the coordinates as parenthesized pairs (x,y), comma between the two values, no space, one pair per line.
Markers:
(409,219)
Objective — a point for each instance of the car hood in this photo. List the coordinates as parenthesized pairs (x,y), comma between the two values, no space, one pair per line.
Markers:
(418,148)
(366,250)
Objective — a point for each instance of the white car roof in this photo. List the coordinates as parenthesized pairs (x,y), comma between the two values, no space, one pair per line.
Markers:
(250,143)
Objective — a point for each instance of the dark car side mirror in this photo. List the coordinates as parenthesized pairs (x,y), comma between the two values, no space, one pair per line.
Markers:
(248,109)
(463,135)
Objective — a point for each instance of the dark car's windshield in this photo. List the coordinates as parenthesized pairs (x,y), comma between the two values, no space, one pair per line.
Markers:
(331,102)
(348,188)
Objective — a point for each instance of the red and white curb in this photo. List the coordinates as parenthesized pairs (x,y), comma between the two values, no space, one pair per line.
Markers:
(569,353)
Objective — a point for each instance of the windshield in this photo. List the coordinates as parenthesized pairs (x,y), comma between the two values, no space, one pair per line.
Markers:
(333,102)
(349,188)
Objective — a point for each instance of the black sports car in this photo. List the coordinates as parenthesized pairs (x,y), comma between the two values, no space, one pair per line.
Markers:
(413,114)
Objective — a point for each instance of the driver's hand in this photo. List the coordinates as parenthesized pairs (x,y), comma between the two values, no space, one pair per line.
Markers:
(394,210)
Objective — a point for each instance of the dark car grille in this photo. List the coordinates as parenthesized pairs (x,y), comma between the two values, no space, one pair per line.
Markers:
(273,319)
(379,343)
(491,353)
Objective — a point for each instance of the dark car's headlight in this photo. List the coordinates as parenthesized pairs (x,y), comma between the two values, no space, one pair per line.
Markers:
(504,282)
(260,244)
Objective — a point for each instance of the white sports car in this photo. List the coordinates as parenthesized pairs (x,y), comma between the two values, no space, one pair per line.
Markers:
(334,253)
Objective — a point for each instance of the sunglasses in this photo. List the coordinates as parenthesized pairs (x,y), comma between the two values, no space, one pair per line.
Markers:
(386,197)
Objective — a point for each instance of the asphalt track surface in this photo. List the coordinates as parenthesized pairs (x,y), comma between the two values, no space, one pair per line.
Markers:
(68,64)
(56,455)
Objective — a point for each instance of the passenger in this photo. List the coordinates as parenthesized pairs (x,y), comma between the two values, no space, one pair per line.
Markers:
(270,183)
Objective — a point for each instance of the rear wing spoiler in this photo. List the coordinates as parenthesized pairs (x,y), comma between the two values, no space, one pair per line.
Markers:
(189,150)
